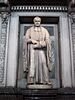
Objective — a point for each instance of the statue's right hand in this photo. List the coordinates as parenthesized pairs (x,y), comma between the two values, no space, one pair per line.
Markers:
(34,42)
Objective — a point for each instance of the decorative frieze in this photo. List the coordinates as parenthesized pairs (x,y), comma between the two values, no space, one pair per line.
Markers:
(3,36)
(39,8)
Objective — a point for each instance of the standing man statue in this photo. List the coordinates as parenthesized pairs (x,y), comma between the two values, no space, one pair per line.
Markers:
(37,54)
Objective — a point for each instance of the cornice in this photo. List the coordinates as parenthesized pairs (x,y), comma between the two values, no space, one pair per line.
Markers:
(39,8)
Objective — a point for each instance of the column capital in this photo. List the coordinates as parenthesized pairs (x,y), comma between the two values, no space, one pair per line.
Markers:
(4,6)
(4,2)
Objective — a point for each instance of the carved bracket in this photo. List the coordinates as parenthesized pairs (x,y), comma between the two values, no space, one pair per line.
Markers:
(4,6)
(72,17)
(4,16)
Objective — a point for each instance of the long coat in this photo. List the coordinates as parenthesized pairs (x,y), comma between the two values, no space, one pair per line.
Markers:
(37,57)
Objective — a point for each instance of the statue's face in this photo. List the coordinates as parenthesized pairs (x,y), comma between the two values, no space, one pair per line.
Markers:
(37,22)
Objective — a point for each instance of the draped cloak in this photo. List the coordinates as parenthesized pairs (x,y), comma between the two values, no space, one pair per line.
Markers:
(37,58)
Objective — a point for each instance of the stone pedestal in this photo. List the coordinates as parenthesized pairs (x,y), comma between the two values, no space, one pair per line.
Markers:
(39,86)
(37,94)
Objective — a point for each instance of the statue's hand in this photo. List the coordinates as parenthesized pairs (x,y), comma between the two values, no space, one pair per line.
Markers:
(43,43)
(34,42)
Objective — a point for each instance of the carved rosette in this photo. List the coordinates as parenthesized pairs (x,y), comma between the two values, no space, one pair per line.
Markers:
(3,36)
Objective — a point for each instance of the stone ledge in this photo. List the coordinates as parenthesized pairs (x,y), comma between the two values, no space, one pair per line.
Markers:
(11,90)
(33,94)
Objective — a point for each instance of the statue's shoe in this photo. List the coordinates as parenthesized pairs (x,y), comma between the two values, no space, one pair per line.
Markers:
(47,83)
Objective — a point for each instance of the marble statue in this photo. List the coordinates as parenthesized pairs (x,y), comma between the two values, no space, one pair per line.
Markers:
(37,54)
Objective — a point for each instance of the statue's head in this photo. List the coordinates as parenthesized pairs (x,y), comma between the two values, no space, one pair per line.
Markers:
(37,21)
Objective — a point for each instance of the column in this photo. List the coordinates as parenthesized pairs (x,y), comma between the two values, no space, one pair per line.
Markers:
(65,52)
(13,51)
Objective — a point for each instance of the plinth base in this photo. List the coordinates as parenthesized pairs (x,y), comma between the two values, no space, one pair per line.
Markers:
(39,86)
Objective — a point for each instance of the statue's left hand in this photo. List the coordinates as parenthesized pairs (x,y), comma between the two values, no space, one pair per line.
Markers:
(43,43)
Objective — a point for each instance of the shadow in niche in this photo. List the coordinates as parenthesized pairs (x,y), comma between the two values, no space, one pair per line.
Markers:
(51,24)
(44,20)
(39,2)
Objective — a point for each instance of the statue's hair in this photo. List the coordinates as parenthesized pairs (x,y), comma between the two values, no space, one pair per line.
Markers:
(37,18)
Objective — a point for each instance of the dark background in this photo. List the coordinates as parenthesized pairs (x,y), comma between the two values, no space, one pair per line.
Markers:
(39,2)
